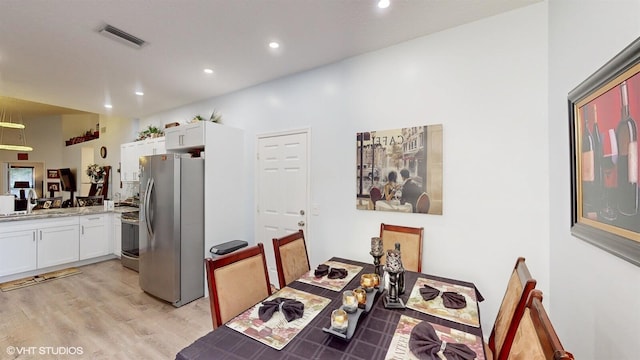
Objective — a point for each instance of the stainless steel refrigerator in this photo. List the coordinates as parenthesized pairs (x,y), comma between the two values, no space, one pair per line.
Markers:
(172,227)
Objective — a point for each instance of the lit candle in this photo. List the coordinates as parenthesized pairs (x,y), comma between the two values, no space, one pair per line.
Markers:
(367,281)
(349,301)
(361,295)
(376,246)
(339,320)
(376,280)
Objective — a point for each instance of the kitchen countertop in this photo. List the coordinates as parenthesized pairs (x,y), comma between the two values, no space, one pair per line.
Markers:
(62,212)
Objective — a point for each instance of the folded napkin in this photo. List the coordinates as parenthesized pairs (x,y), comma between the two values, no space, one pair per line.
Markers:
(425,344)
(290,308)
(322,270)
(338,273)
(450,299)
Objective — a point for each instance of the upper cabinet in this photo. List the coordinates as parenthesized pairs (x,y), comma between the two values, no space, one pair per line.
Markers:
(130,154)
(187,136)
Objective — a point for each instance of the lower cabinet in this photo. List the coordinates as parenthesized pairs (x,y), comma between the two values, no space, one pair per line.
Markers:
(94,241)
(57,245)
(18,251)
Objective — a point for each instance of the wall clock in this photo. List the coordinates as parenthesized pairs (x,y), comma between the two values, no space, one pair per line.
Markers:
(103,152)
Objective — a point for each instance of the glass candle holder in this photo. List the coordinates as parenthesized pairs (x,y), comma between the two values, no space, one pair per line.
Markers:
(367,281)
(376,280)
(339,320)
(349,301)
(361,295)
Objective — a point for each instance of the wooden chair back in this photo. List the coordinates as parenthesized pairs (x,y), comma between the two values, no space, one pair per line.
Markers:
(511,309)
(410,239)
(535,337)
(236,282)
(292,259)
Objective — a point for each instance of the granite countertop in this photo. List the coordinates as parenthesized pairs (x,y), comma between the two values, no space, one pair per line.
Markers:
(74,211)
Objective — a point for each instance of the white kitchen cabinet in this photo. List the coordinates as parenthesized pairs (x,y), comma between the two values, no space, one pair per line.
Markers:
(57,244)
(117,234)
(130,154)
(186,136)
(94,239)
(18,251)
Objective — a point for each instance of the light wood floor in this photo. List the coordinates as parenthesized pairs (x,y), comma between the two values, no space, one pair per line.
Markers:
(104,312)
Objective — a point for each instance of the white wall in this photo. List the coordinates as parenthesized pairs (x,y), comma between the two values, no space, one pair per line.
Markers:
(486,82)
(596,296)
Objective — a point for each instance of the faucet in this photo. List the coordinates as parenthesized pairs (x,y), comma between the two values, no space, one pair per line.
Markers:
(32,198)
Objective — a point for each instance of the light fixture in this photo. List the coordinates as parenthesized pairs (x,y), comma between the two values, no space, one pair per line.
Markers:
(139,93)
(208,71)
(274,45)
(383,4)
(108,106)
(13,126)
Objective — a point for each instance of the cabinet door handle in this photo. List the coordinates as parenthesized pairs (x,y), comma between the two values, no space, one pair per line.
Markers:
(34,236)
(82,229)
(40,235)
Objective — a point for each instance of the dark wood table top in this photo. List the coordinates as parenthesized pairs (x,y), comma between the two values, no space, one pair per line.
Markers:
(371,339)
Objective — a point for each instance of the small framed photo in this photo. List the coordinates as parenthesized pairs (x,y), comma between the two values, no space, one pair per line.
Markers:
(53,174)
(53,186)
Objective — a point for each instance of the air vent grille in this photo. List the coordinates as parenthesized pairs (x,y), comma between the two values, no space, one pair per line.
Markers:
(122,36)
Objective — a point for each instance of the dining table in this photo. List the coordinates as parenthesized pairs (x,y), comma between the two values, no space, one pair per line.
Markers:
(377,335)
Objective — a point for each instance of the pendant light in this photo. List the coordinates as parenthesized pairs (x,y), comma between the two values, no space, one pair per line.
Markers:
(11,126)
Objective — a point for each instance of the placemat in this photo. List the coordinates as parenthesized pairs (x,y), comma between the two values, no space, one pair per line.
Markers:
(467,316)
(277,332)
(399,348)
(332,284)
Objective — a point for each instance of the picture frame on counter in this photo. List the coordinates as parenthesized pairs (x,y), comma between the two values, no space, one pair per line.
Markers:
(605,198)
(53,186)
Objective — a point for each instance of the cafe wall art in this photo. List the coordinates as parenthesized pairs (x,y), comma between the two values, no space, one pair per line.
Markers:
(400,170)
(603,114)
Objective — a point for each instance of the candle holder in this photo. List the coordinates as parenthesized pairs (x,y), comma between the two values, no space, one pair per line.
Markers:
(393,268)
(361,295)
(339,321)
(376,263)
(349,301)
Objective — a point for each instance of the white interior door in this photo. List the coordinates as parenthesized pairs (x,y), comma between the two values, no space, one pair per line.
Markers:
(282,186)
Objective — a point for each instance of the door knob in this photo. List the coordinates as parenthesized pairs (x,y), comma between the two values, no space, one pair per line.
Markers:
(300,223)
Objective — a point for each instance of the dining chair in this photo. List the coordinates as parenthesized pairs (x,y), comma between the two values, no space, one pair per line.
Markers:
(535,337)
(410,239)
(292,259)
(423,204)
(236,282)
(510,312)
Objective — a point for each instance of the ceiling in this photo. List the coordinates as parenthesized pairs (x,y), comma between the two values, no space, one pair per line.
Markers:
(52,53)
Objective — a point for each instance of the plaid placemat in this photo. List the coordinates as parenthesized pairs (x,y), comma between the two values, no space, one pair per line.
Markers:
(399,347)
(277,332)
(332,284)
(467,316)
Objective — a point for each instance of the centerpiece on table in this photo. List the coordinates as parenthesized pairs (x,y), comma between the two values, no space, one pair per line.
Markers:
(96,173)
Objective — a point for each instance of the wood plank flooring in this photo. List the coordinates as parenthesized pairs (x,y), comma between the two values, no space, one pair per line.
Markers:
(104,312)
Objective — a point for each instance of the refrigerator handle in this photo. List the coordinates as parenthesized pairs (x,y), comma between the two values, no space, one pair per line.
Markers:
(147,206)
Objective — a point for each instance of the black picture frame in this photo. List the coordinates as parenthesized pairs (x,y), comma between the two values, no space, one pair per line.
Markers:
(617,232)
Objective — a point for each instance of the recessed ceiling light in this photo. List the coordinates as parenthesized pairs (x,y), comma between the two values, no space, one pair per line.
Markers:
(383,4)
(208,71)
(274,45)
(139,93)
(108,106)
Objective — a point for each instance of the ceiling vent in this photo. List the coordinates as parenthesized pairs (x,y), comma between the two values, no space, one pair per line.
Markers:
(122,36)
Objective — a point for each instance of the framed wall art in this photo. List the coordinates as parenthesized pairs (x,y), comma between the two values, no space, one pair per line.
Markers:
(400,170)
(603,114)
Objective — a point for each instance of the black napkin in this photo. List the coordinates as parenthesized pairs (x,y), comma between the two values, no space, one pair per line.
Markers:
(338,273)
(450,299)
(322,270)
(425,344)
(290,308)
